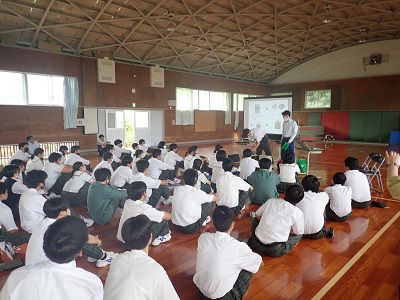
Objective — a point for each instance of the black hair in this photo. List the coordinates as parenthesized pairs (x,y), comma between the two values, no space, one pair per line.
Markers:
(221,155)
(75,148)
(156,153)
(310,183)
(197,164)
(107,156)
(101,135)
(294,193)
(28,137)
(173,146)
(136,232)
(339,178)
(3,188)
(38,151)
(190,177)
(54,157)
(34,178)
(138,152)
(161,145)
(22,145)
(142,165)
(141,141)
(286,113)
(351,163)
(134,145)
(288,158)
(247,152)
(117,142)
(217,148)
(77,165)
(227,164)
(62,149)
(265,163)
(126,160)
(53,207)
(189,150)
(109,147)
(102,174)
(65,239)
(150,150)
(136,190)
(10,170)
(245,133)
(18,162)
(222,218)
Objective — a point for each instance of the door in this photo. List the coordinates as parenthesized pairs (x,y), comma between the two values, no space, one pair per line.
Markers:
(144,124)
(115,125)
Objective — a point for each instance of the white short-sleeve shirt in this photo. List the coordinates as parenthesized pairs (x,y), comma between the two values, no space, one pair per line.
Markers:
(6,218)
(156,166)
(135,208)
(31,209)
(287,172)
(228,186)
(35,253)
(151,183)
(121,176)
(359,184)
(201,179)
(74,184)
(73,158)
(119,150)
(186,204)
(188,162)
(53,171)
(217,171)
(171,158)
(34,164)
(248,166)
(24,156)
(104,165)
(313,208)
(339,199)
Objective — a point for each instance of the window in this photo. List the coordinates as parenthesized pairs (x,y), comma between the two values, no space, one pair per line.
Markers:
(187,99)
(318,99)
(31,89)
(238,101)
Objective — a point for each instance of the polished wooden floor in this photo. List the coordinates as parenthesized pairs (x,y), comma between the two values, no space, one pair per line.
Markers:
(362,261)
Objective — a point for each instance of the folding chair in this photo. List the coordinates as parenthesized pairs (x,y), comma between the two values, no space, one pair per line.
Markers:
(374,172)
(366,164)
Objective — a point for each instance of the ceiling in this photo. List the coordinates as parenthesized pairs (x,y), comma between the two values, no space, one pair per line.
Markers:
(249,40)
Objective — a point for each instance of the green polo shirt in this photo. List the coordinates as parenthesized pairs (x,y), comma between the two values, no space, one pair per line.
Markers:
(264,183)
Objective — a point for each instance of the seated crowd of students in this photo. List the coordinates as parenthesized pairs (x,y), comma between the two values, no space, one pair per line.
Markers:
(42,195)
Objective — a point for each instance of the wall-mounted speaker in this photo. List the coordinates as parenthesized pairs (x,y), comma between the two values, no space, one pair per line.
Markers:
(375,59)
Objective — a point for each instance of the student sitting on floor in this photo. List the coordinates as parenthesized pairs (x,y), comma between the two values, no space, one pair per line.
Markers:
(119,151)
(160,170)
(162,146)
(339,206)
(56,209)
(172,158)
(22,153)
(217,169)
(122,176)
(213,157)
(278,225)
(135,146)
(21,165)
(57,174)
(134,274)
(11,241)
(32,144)
(224,265)
(361,194)
(135,206)
(63,150)
(76,188)
(31,201)
(102,145)
(15,188)
(58,278)
(106,162)
(190,207)
(202,182)
(149,153)
(116,162)
(76,156)
(136,157)
(288,171)
(264,183)
(36,163)
(248,165)
(313,208)
(156,188)
(143,146)
(103,199)
(189,158)
(232,191)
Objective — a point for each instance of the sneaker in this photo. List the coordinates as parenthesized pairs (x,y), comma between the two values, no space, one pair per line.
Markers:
(91,259)
(6,252)
(167,201)
(88,222)
(252,214)
(330,233)
(52,196)
(174,181)
(161,239)
(100,263)
(208,219)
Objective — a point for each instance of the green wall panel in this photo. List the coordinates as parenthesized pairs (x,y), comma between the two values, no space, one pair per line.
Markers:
(356,127)
(372,126)
(314,118)
(390,122)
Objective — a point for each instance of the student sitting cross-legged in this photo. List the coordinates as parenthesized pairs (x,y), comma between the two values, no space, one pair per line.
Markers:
(313,208)
(134,274)
(122,176)
(36,163)
(15,188)
(217,169)
(361,194)
(248,165)
(135,206)
(202,182)
(55,209)
(190,207)
(103,199)
(155,187)
(278,225)
(232,190)
(160,170)
(264,183)
(288,171)
(57,174)
(76,156)
(106,162)
(339,206)
(58,278)
(224,265)
(172,157)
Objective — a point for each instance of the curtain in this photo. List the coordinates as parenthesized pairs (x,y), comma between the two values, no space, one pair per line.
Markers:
(228,108)
(184,114)
(71,102)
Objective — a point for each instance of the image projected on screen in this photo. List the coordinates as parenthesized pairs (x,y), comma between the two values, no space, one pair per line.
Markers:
(266,113)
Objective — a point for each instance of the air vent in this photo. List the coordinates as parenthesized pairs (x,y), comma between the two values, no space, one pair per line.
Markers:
(105,70)
(156,77)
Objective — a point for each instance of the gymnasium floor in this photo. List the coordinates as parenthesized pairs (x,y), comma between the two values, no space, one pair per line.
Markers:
(361,261)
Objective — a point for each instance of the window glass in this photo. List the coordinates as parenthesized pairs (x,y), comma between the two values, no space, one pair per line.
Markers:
(318,99)
(12,88)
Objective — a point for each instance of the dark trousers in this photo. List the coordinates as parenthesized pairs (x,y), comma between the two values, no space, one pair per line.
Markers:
(157,193)
(205,188)
(115,165)
(59,184)
(288,150)
(159,229)
(243,196)
(355,204)
(331,215)
(275,249)
(79,198)
(192,228)
(15,239)
(264,145)
(167,174)
(101,150)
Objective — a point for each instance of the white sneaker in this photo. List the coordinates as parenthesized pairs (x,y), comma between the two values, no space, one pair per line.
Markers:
(52,196)
(88,222)
(100,263)
(208,219)
(252,214)
(91,259)
(174,181)
(6,252)
(161,239)
(167,201)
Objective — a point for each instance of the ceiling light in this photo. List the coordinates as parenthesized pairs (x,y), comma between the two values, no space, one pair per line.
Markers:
(327,19)
(290,60)
(362,36)
(246,47)
(171,25)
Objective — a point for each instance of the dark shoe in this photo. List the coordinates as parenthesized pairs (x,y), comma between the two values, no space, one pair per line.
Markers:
(330,233)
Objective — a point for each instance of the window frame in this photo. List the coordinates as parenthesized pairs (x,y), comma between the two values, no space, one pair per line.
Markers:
(317,107)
